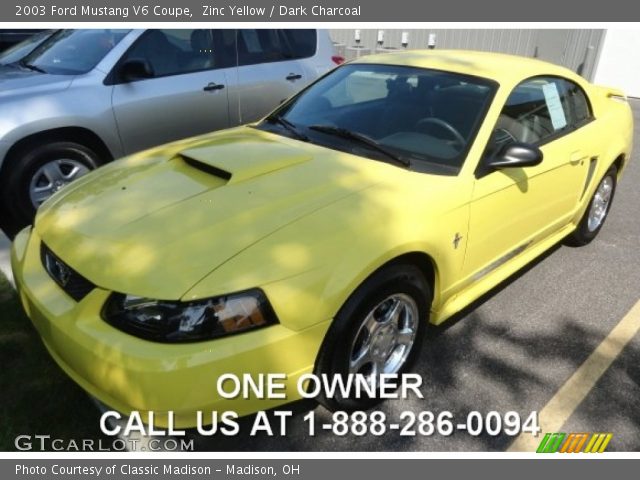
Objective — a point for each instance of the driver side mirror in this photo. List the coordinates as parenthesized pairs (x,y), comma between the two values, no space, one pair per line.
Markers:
(512,155)
(136,69)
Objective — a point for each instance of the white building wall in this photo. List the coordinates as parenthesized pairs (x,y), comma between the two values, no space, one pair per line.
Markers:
(619,61)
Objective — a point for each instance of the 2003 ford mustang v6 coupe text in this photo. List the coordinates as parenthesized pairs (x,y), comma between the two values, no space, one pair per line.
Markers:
(393,191)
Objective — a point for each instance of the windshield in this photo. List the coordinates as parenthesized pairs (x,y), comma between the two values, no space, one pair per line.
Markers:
(426,118)
(72,52)
(20,50)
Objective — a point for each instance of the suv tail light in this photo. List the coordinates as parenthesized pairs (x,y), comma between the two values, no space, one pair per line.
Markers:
(337,59)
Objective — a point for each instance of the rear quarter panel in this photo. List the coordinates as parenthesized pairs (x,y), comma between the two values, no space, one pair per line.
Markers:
(614,117)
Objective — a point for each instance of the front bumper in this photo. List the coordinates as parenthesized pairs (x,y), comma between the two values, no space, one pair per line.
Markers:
(128,373)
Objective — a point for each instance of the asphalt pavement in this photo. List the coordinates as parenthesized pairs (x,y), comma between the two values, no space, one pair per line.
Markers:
(515,349)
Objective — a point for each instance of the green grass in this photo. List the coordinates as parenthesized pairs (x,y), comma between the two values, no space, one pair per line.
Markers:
(36,397)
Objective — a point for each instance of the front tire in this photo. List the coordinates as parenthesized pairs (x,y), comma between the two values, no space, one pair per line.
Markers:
(597,212)
(37,172)
(379,330)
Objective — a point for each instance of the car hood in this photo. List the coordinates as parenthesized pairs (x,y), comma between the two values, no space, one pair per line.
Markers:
(15,80)
(156,223)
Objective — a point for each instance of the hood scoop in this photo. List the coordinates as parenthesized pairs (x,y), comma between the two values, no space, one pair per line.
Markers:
(237,162)
(205,167)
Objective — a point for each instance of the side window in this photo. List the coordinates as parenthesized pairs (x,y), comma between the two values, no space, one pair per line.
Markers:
(261,46)
(576,104)
(535,111)
(301,43)
(173,52)
(224,41)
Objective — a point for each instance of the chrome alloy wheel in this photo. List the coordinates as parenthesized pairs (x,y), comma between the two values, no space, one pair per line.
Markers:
(600,204)
(54,176)
(385,338)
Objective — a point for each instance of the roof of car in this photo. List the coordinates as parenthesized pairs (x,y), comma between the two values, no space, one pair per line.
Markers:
(497,66)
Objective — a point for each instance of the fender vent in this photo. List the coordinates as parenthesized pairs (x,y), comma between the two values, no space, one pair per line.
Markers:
(592,168)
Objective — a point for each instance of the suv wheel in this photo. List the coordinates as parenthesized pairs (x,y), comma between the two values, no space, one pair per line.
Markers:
(39,172)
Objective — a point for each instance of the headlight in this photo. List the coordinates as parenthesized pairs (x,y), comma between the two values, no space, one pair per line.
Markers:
(172,322)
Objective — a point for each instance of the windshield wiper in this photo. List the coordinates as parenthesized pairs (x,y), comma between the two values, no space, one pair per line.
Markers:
(359,137)
(280,120)
(30,66)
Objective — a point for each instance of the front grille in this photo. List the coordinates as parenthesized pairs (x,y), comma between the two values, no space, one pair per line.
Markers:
(73,284)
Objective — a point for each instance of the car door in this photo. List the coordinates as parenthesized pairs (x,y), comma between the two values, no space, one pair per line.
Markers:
(513,208)
(184,94)
(267,74)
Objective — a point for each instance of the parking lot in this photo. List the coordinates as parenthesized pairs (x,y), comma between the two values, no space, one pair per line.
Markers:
(518,349)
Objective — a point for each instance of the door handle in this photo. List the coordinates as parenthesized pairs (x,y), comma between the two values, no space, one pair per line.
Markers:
(577,157)
(294,76)
(213,86)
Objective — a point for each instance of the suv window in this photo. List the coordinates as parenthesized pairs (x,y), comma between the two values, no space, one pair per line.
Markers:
(266,45)
(172,52)
(302,43)
(73,52)
(261,46)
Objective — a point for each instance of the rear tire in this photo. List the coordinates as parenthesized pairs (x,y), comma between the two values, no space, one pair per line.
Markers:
(380,329)
(597,211)
(35,173)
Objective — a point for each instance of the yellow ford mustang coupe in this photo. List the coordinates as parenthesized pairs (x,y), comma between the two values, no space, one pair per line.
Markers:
(393,191)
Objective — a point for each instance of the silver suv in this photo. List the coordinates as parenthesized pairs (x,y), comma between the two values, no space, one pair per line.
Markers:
(85,97)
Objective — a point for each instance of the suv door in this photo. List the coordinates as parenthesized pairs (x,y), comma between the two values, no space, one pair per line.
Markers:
(185,95)
(269,71)
(513,208)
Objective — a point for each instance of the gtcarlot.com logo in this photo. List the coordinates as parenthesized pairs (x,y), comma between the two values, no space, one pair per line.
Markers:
(574,443)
